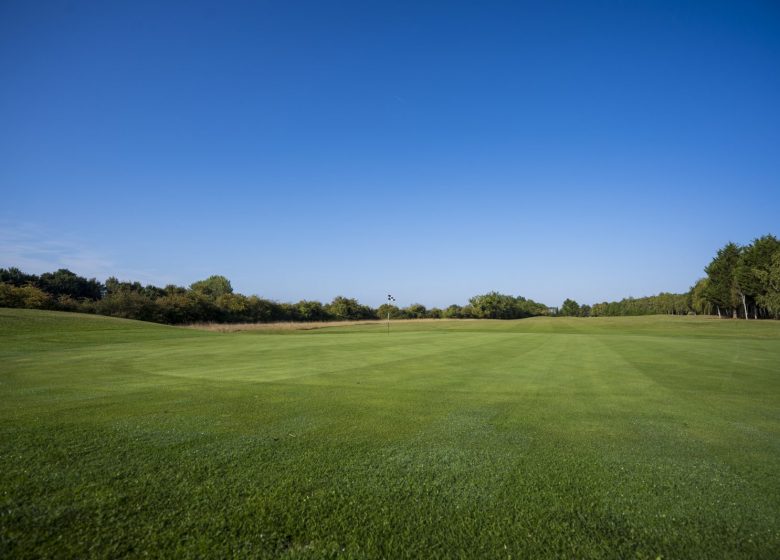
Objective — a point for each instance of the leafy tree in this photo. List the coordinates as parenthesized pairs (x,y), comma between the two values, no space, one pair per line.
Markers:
(721,273)
(128,304)
(67,303)
(453,312)
(435,313)
(494,306)
(263,310)
(754,259)
(698,296)
(415,311)
(388,308)
(204,308)
(113,286)
(177,308)
(599,309)
(233,307)
(570,308)
(530,308)
(26,297)
(348,309)
(770,298)
(213,287)
(172,289)
(287,312)
(16,277)
(311,311)
(63,282)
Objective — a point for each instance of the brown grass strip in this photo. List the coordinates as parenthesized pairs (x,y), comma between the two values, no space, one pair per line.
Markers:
(292,326)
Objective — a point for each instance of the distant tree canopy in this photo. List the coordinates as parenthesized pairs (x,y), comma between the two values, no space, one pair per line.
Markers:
(347,309)
(741,282)
(663,303)
(500,306)
(213,300)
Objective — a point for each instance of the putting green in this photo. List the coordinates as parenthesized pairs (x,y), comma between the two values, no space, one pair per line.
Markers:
(547,437)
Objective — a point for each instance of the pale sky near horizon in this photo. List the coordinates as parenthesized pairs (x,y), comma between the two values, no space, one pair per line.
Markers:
(592,150)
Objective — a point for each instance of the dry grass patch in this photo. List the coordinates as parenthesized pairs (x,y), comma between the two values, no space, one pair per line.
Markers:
(293,326)
(286,326)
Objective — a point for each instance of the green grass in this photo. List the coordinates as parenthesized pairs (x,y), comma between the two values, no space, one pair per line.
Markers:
(579,438)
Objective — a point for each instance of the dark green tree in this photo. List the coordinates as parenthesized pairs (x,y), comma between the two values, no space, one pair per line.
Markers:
(63,282)
(770,298)
(753,260)
(570,308)
(16,277)
(721,290)
(311,311)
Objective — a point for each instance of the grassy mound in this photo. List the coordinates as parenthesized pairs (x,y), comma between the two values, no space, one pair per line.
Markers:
(603,438)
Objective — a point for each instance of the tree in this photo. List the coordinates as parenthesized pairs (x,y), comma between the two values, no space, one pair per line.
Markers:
(28,297)
(311,311)
(213,287)
(770,279)
(263,310)
(453,312)
(388,309)
(721,290)
(494,306)
(348,309)
(570,308)
(177,308)
(63,282)
(128,304)
(16,277)
(233,307)
(698,296)
(530,308)
(753,260)
(415,311)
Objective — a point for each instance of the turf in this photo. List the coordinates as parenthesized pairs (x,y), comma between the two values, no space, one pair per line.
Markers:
(548,437)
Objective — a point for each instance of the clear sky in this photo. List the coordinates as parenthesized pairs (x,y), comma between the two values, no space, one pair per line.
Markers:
(592,150)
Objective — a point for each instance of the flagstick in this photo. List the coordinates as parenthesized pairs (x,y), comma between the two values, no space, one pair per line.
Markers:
(389,299)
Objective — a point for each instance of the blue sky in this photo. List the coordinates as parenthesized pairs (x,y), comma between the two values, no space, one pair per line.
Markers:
(592,150)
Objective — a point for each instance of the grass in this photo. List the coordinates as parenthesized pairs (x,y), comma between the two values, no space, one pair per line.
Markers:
(542,438)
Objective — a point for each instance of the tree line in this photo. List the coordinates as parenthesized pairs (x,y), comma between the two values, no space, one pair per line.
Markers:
(662,304)
(741,281)
(213,300)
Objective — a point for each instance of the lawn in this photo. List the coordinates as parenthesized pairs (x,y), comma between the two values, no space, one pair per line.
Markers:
(548,437)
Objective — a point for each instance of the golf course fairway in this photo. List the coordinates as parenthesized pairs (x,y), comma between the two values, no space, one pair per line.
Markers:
(633,437)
